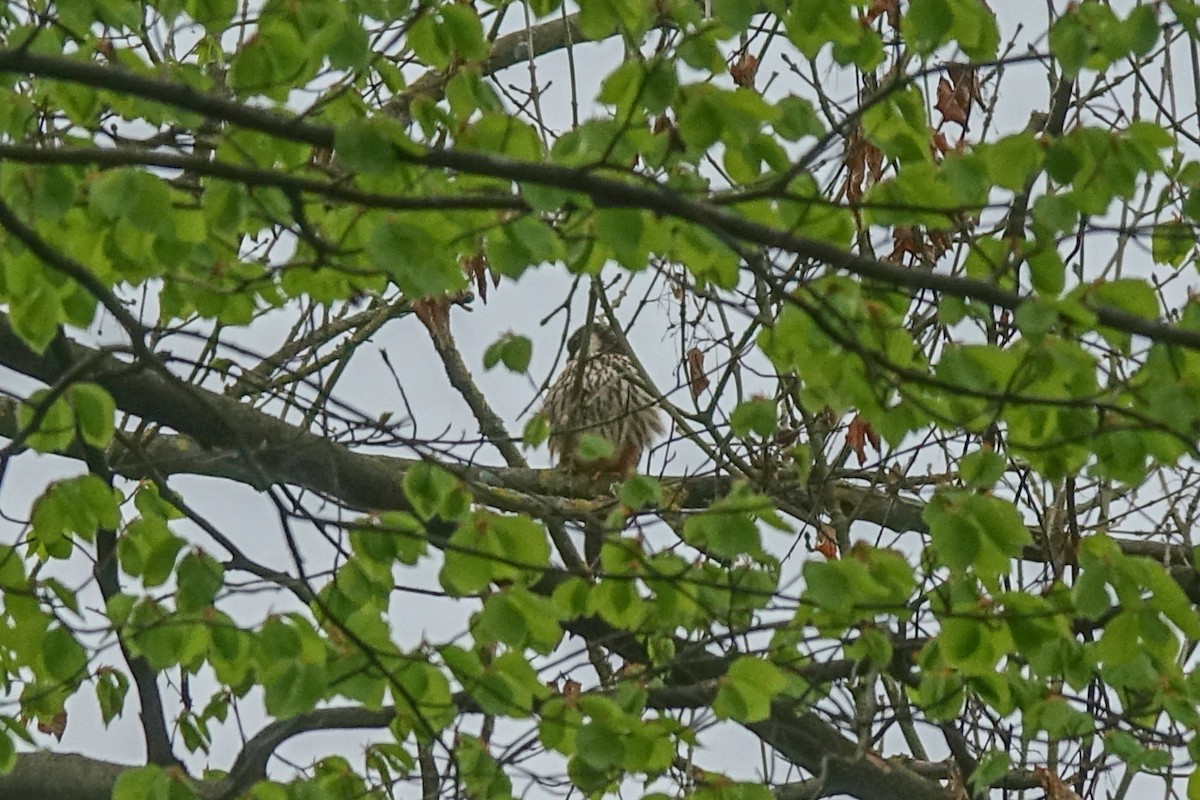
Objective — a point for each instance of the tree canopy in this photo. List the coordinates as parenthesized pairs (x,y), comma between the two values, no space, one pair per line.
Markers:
(913,284)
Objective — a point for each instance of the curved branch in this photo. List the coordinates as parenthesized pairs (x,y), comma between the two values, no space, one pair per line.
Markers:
(217,430)
(611,192)
(216,433)
(255,176)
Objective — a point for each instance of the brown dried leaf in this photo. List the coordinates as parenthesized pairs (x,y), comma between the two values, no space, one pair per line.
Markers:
(881,7)
(858,435)
(570,692)
(864,165)
(697,380)
(743,70)
(958,93)
(966,84)
(827,542)
(1054,786)
(948,105)
(56,727)
(476,268)
(939,242)
(906,240)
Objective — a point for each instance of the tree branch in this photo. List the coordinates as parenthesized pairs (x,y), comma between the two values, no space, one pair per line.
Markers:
(608,192)
(217,432)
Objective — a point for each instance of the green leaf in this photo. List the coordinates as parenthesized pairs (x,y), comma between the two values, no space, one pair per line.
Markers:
(52,191)
(706,256)
(724,535)
(593,448)
(415,258)
(640,86)
(390,536)
(899,127)
(214,15)
(855,588)
(972,531)
(55,424)
(147,549)
(434,492)
(142,783)
(1053,214)
(112,687)
(981,469)
(464,31)
(536,431)
(520,619)
(424,697)
(1169,599)
(756,415)
(523,243)
(133,195)
(618,603)
(293,687)
(1132,295)
(812,24)
(1047,272)
(512,350)
(599,746)
(972,646)
(78,505)
(991,767)
(491,547)
(12,570)
(747,689)
(272,60)
(1069,43)
(641,491)
(199,578)
(624,232)
(797,119)
(149,502)
(65,658)
(437,37)
(975,29)
(1143,29)
(1172,242)
(735,14)
(94,411)
(913,197)
(1013,160)
(36,315)
(369,146)
(927,25)
(480,773)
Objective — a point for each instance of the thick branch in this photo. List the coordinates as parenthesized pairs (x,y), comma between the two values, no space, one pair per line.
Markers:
(55,776)
(283,453)
(218,431)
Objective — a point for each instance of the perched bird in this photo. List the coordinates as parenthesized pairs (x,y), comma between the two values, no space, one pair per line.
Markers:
(598,393)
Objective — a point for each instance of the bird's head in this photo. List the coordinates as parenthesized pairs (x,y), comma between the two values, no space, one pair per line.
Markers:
(603,340)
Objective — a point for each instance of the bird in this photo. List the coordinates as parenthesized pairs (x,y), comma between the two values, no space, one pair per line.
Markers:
(599,392)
